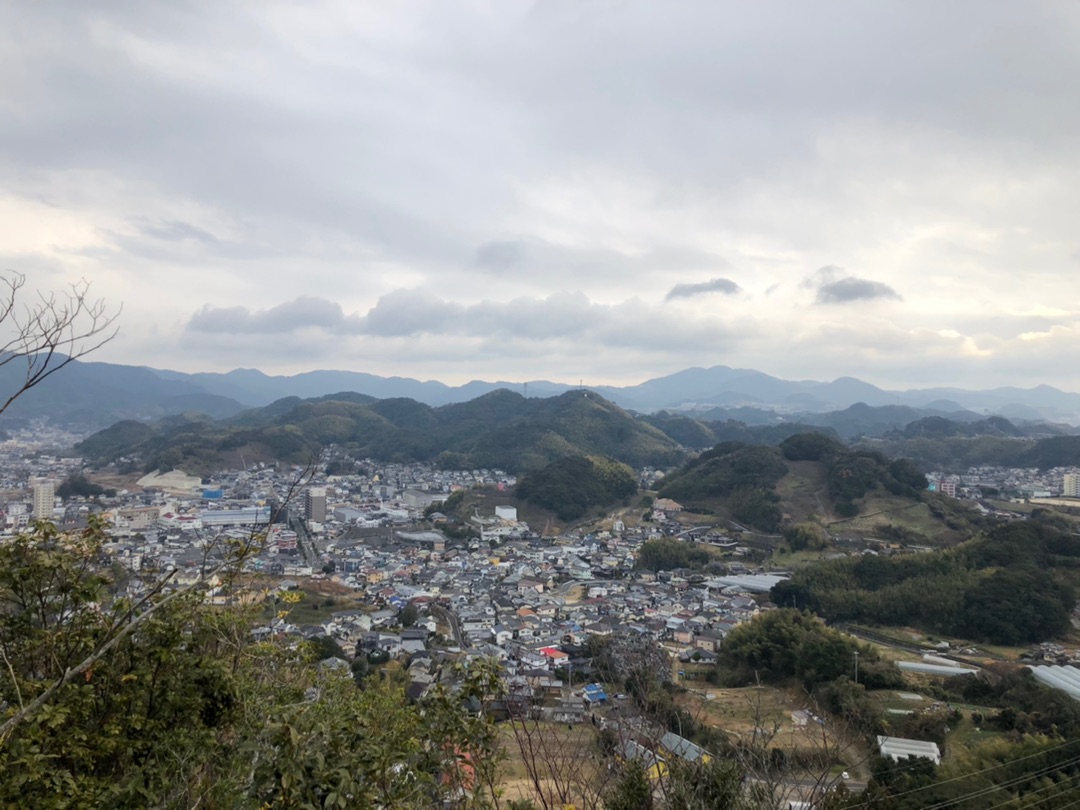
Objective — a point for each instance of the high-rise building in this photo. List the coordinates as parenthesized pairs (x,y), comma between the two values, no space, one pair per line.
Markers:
(315,504)
(44,500)
(1072,486)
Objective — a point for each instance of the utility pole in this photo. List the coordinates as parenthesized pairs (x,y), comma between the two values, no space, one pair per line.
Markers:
(856,666)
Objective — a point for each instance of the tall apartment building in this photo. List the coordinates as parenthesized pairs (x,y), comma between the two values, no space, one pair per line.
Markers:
(44,500)
(315,504)
(1072,486)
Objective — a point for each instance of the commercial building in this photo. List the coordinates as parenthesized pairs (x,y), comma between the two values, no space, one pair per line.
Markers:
(1071,488)
(44,500)
(248,516)
(315,505)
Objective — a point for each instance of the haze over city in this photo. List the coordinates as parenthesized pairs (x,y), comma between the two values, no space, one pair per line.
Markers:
(606,191)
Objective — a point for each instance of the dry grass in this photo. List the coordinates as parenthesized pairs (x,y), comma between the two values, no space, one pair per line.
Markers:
(802,491)
(576,747)
(113,480)
(740,711)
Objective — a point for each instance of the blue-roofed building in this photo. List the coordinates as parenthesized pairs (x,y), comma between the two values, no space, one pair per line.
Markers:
(594,693)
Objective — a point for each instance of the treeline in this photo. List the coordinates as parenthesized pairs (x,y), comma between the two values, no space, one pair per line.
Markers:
(1023,704)
(958,453)
(701,433)
(1009,587)
(571,486)
(787,643)
(744,474)
(670,555)
(78,485)
(1035,762)
(853,474)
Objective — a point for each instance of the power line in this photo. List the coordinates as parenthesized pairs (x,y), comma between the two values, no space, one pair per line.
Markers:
(1006,784)
(984,770)
(1055,785)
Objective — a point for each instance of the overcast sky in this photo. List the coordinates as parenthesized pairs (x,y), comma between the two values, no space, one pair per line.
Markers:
(560,189)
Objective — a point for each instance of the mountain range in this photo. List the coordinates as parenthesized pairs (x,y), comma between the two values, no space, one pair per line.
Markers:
(500,429)
(94,395)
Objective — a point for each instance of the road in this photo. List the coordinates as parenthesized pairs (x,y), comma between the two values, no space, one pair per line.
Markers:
(304,542)
(455,626)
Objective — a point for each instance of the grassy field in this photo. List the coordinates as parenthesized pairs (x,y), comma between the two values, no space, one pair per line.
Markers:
(318,599)
(879,509)
(565,763)
(802,491)
(739,711)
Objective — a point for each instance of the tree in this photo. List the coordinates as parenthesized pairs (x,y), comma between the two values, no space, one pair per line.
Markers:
(48,332)
(806,535)
(78,485)
(409,615)
(190,712)
(632,791)
(324,647)
(144,702)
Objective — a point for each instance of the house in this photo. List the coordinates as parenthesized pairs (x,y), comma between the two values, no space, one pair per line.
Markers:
(594,693)
(531,585)
(677,746)
(556,656)
(566,711)
(655,767)
(708,640)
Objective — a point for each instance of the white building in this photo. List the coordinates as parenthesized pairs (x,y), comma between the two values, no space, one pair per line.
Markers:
(1071,488)
(896,749)
(44,500)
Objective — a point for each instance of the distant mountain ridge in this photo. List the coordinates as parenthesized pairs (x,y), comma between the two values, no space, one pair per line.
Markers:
(94,395)
(689,389)
(500,429)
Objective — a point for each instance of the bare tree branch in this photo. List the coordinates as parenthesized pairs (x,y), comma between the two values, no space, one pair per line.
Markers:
(50,332)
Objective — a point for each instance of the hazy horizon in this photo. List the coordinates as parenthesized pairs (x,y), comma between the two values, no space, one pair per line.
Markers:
(605,191)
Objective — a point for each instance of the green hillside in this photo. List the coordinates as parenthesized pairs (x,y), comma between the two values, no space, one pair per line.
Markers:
(501,429)
(1013,586)
(571,486)
(812,477)
(704,433)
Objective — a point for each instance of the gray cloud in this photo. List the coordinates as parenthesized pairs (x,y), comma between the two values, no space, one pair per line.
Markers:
(303,312)
(493,154)
(177,231)
(822,276)
(854,289)
(527,257)
(408,314)
(720,285)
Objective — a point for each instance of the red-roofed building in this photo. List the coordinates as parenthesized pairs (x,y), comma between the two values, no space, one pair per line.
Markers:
(555,655)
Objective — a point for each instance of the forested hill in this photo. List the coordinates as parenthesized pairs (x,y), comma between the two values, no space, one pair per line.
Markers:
(814,479)
(1013,586)
(499,430)
(959,452)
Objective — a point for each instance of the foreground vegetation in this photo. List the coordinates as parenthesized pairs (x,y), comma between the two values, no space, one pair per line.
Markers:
(116,701)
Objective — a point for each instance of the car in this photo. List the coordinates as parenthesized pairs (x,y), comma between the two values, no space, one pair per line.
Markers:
(620,696)
(845,775)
